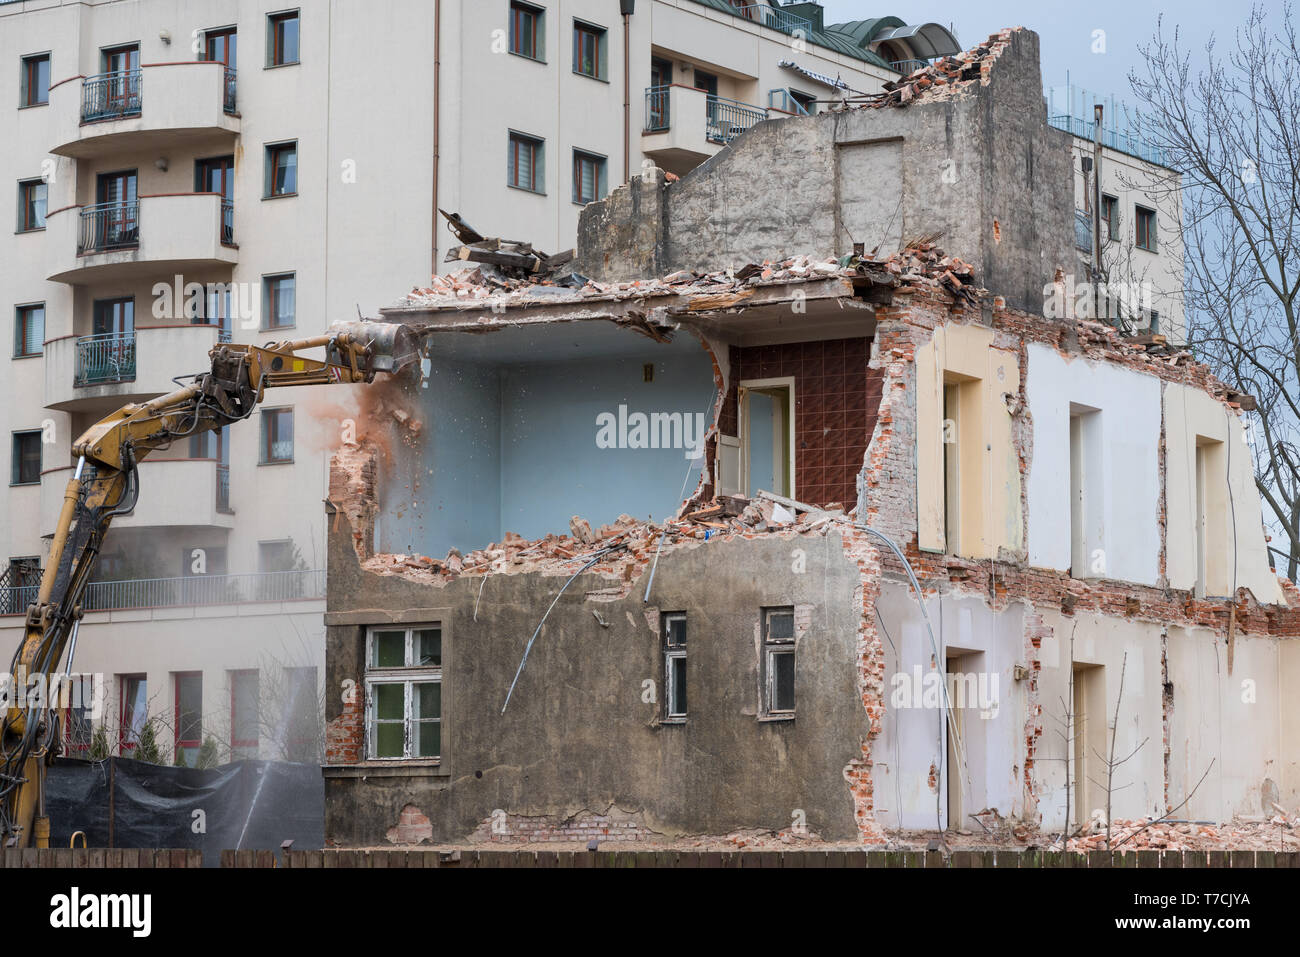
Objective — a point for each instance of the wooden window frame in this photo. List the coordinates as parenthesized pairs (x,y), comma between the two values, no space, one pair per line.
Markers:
(771,648)
(599,35)
(409,674)
(21,322)
(268,444)
(179,742)
(518,11)
(599,165)
(275,38)
(26,222)
(273,152)
(537,163)
(30,75)
(254,742)
(124,744)
(1144,219)
(1110,215)
(271,296)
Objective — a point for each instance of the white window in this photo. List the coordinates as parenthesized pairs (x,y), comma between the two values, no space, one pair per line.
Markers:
(674,632)
(404,692)
(778,662)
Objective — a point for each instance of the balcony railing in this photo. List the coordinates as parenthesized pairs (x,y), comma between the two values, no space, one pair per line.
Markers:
(105,358)
(223,488)
(782,99)
(774,17)
(195,590)
(228,97)
(907,66)
(109,226)
(1070,108)
(657,113)
(727,119)
(228,222)
(110,95)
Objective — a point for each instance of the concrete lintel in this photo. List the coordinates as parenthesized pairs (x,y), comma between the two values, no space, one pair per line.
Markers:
(386,616)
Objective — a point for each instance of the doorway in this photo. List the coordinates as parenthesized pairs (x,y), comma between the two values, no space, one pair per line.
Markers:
(767,436)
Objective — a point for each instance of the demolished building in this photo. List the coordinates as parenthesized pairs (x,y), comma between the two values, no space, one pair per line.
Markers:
(825,545)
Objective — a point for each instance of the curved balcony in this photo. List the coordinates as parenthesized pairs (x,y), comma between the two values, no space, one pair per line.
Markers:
(100,373)
(172,233)
(684,126)
(157,107)
(173,493)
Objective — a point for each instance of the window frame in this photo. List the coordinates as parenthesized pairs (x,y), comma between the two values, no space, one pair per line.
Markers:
(770,648)
(273,38)
(408,675)
(271,152)
(601,165)
(25,79)
(1110,215)
(271,296)
(673,651)
(600,62)
(1140,219)
(125,742)
(24,186)
(16,459)
(517,9)
(21,323)
(516,138)
(179,742)
(267,444)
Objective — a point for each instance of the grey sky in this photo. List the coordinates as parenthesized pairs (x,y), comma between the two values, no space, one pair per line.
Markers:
(1066,29)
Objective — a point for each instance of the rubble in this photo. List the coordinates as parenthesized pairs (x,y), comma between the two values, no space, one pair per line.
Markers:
(944,77)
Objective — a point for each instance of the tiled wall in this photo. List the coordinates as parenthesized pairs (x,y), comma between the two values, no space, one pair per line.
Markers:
(836,401)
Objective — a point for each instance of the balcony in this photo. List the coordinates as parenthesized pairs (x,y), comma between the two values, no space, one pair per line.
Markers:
(175,233)
(174,493)
(176,592)
(161,106)
(101,372)
(775,18)
(685,126)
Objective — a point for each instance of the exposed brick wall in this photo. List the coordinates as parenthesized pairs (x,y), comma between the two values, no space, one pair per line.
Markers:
(345,734)
(583,826)
(836,396)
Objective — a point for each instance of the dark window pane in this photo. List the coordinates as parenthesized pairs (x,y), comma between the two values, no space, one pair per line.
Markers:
(389,739)
(428,648)
(780,626)
(676,630)
(428,700)
(389,649)
(782,681)
(189,709)
(26,458)
(677,686)
(389,700)
(428,736)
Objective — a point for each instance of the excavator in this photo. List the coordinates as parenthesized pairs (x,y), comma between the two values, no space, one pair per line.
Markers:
(106,484)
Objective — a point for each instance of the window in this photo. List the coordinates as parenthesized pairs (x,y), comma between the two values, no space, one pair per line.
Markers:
(1086,503)
(527,37)
(26,458)
(525,163)
(76,694)
(404,692)
(806,102)
(589,50)
(134,711)
(189,717)
(767,457)
(1213,545)
(588,177)
(1146,228)
(277,436)
(1110,215)
(282,38)
(301,717)
(674,632)
(778,662)
(244,711)
(35,88)
(29,330)
(282,169)
(278,301)
(32,200)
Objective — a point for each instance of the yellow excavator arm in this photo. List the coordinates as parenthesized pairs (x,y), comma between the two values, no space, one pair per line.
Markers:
(106,484)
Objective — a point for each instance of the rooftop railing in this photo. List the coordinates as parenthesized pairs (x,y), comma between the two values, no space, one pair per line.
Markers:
(775,17)
(1070,108)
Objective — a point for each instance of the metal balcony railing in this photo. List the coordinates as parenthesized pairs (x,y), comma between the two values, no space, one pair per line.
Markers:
(107,226)
(110,95)
(727,119)
(776,18)
(907,66)
(105,358)
(194,590)
(223,488)
(657,115)
(227,222)
(228,98)
(1070,108)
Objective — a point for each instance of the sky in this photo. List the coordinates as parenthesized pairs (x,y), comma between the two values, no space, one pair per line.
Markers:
(1066,30)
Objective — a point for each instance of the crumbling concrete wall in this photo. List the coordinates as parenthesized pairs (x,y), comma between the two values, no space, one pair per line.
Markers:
(581,735)
(977,165)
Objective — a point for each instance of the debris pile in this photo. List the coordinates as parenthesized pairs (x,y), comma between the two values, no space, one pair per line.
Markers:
(943,77)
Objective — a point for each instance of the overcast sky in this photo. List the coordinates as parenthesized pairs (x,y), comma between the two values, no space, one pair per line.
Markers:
(1066,29)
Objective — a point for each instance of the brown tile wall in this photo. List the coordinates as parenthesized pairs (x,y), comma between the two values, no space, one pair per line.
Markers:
(836,400)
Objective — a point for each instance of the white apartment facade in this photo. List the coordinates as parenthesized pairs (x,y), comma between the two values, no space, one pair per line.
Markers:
(185,173)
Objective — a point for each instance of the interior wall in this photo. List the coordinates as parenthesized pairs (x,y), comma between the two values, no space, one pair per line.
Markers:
(1189,414)
(1127,476)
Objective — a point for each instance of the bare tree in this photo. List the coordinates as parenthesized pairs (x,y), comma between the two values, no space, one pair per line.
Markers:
(1231,127)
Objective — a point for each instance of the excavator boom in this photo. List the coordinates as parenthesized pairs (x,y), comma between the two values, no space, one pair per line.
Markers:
(106,484)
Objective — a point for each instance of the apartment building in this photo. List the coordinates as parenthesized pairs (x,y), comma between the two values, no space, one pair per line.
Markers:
(1140,212)
(183,175)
